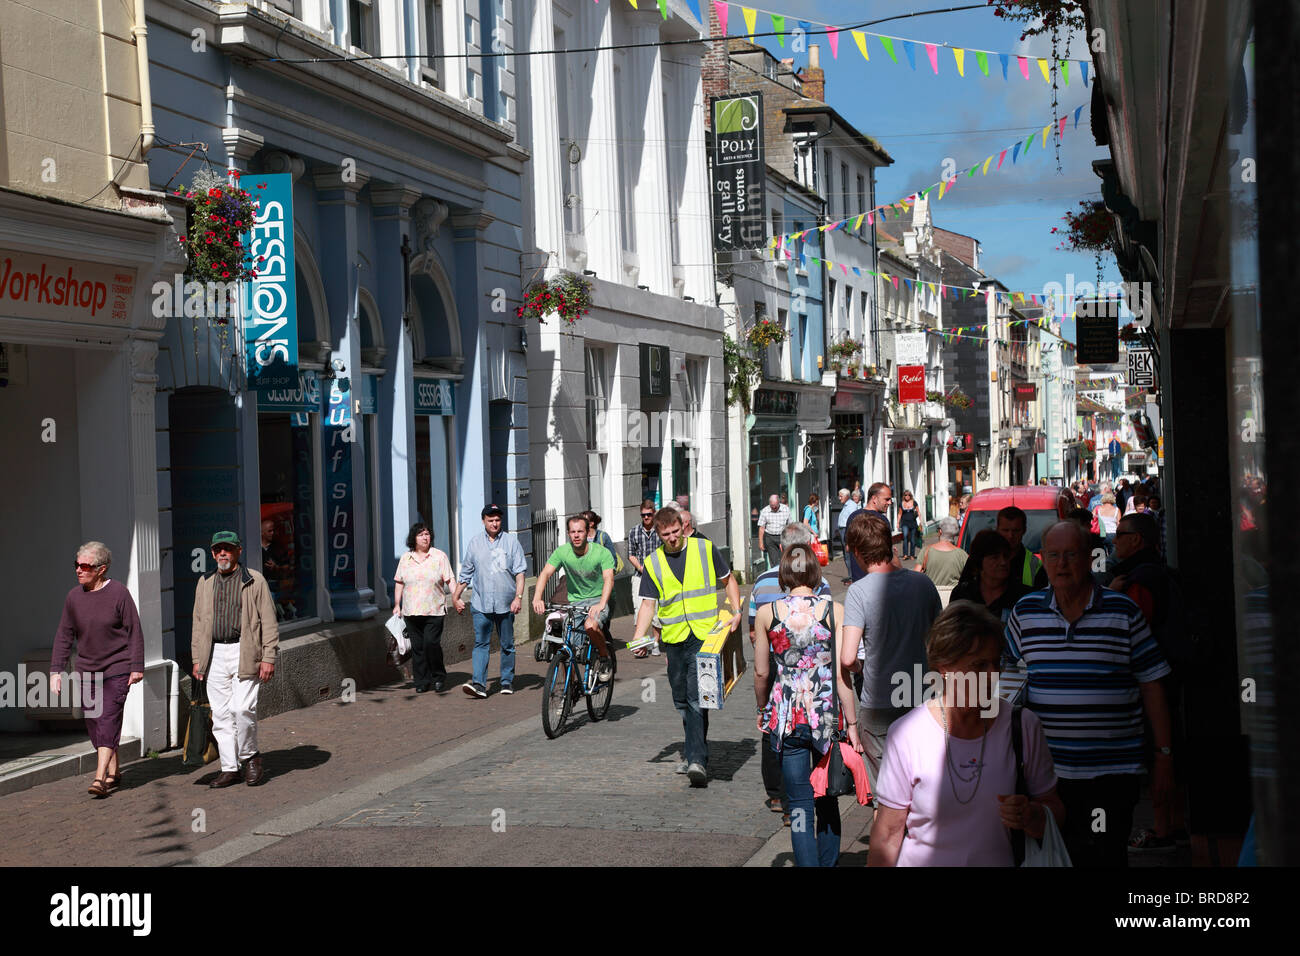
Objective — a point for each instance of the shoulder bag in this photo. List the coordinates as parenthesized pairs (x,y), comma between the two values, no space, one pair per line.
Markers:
(1029,852)
(838,761)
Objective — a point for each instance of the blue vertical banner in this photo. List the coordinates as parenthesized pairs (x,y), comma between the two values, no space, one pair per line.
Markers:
(270,303)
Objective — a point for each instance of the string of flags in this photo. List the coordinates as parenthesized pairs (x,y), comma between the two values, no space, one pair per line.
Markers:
(890,45)
(944,187)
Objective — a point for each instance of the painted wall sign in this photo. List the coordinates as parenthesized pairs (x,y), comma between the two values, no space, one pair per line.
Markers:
(63,290)
(271,308)
(435,396)
(771,401)
(911,384)
(739,185)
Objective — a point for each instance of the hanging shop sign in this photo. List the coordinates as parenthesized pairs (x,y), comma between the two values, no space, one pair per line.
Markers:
(271,308)
(1025,393)
(1097,323)
(907,443)
(654,371)
(909,348)
(435,396)
(738,180)
(962,442)
(911,384)
(1141,368)
(304,397)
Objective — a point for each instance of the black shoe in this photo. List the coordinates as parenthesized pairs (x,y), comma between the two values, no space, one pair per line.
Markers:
(422,690)
(437,685)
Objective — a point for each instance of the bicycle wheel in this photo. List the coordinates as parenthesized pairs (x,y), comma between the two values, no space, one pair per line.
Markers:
(556,701)
(598,700)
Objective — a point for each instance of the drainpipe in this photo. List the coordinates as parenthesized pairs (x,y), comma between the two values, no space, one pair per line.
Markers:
(141,34)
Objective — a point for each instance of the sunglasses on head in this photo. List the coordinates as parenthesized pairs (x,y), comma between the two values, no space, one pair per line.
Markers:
(81,566)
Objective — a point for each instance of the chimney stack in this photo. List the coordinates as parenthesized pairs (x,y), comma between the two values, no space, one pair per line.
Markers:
(715,66)
(813,79)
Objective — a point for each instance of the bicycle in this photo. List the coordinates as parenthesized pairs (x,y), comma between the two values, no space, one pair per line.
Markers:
(573,672)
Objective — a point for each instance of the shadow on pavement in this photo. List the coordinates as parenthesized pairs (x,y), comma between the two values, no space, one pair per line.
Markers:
(278,763)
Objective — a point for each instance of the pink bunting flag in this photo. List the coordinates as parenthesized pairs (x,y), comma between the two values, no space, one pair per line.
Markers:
(721,10)
(895,281)
(1060,132)
(845,268)
(1024,66)
(1001,156)
(833,36)
(932,52)
(870,219)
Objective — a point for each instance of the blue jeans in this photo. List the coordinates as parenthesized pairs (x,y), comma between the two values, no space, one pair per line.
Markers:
(811,848)
(909,541)
(686,698)
(505,626)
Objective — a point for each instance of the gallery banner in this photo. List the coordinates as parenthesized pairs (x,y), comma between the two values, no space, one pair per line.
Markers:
(738,184)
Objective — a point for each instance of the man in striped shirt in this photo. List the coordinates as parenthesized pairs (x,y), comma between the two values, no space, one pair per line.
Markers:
(1093,668)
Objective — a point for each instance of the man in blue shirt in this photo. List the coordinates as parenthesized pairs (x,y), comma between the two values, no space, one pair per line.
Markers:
(493,566)
(848,505)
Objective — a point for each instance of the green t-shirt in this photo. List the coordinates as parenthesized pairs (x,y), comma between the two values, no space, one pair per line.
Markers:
(584,576)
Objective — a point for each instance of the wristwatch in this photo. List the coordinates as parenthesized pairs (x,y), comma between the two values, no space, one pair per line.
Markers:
(1165,750)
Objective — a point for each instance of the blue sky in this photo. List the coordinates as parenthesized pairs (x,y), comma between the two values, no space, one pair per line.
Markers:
(921,119)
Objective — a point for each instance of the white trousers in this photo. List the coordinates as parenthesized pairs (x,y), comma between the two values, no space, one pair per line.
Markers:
(234,707)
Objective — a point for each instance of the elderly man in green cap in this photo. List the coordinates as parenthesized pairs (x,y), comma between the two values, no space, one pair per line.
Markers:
(233,642)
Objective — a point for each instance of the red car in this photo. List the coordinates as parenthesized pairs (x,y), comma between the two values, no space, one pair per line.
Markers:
(1043,506)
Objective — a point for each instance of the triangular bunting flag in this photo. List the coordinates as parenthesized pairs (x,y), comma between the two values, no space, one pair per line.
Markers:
(982,59)
(932,52)
(860,39)
(888,44)
(910,49)
(633,2)
(1024,66)
(1014,153)
(1060,132)
(751,18)
(844,268)
(721,9)
(986,166)
(1083,73)
(1005,60)
(778,27)
(943,188)
(971,172)
(1046,129)
(870,219)
(1076,117)
(1001,156)
(1042,67)
(894,279)
(858,224)
(833,37)
(857,271)
(1064,67)
(908,283)
(1029,142)
(959,55)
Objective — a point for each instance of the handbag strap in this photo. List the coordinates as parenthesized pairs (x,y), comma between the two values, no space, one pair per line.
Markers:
(1022,786)
(836,734)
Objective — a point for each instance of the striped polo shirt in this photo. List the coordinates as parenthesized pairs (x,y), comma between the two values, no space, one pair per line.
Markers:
(1083,679)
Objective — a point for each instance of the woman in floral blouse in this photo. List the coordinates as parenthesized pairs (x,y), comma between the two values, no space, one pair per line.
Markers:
(422,582)
(795,703)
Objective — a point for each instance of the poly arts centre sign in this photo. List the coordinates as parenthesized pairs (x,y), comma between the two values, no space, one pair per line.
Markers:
(739,185)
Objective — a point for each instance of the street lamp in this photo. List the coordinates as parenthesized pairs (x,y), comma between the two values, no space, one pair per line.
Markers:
(982,458)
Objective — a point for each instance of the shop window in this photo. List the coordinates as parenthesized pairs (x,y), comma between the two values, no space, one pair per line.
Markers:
(288,534)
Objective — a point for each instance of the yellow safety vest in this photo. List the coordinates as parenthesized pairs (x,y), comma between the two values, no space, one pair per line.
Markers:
(690,607)
(1032,564)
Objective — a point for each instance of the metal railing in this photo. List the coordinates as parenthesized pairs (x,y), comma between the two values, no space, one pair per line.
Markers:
(546,538)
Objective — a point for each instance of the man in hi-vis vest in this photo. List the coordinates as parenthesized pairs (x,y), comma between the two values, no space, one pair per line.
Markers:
(683,577)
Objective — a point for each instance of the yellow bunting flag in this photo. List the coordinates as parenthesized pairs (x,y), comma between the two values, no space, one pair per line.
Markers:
(1045,131)
(960,56)
(1042,66)
(943,188)
(986,166)
(858,224)
(860,39)
(751,18)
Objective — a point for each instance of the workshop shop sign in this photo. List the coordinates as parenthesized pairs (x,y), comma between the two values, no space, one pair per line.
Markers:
(738,182)
(64,290)
(271,308)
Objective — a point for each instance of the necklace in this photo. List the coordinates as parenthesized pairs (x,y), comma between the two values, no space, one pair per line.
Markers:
(952,769)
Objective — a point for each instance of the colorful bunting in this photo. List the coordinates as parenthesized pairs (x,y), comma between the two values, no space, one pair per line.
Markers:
(1005,59)
(721,9)
(932,52)
(1001,156)
(1076,117)
(1064,67)
(1083,72)
(982,59)
(910,49)
(751,19)
(778,26)
(959,55)
(986,166)
(1024,66)
(1042,67)
(1014,153)
(833,37)
(888,44)
(1061,127)
(860,39)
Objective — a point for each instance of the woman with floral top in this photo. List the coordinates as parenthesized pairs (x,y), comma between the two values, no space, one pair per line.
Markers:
(422,582)
(795,704)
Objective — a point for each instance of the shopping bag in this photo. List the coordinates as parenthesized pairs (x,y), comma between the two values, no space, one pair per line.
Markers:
(397,627)
(819,549)
(200,745)
(1050,851)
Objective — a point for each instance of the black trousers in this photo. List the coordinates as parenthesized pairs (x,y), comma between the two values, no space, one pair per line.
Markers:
(1098,818)
(425,635)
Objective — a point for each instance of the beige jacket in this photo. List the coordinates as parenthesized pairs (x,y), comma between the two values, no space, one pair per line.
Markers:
(259,634)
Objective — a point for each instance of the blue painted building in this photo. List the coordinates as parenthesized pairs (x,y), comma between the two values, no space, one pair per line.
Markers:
(409,401)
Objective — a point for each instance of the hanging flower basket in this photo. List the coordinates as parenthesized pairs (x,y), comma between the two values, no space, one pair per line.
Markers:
(1086,230)
(844,349)
(763,333)
(958,400)
(1042,16)
(221,218)
(567,294)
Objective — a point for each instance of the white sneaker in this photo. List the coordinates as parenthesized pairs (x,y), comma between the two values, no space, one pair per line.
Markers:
(654,651)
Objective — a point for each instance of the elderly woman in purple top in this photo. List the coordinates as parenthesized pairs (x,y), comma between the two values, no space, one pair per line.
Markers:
(100,618)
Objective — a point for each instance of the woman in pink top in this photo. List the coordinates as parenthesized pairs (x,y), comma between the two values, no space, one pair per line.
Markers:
(420,589)
(946,793)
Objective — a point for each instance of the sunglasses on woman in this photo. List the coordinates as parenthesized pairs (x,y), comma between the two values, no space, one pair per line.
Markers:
(87,567)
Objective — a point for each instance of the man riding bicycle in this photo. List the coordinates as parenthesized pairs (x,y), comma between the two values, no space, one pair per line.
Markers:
(589,580)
